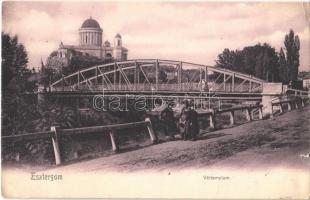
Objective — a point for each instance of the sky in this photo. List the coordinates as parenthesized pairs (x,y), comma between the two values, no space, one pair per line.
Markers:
(187,31)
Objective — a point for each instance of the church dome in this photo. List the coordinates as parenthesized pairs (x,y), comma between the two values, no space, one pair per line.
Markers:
(118,35)
(90,23)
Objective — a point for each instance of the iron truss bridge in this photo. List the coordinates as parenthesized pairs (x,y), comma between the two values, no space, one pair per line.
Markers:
(157,76)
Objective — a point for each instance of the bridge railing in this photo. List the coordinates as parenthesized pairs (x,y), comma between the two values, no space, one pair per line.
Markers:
(295,92)
(291,102)
(56,133)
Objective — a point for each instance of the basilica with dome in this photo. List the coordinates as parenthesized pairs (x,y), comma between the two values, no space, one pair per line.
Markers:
(91,43)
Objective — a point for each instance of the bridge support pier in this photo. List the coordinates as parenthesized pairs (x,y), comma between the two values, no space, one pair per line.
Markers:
(270,91)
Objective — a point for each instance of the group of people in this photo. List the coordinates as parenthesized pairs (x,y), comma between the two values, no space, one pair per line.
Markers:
(186,125)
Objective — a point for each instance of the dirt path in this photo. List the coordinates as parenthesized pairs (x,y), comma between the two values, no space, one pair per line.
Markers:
(281,141)
(261,159)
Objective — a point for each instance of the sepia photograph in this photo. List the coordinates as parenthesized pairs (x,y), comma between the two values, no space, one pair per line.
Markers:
(155,99)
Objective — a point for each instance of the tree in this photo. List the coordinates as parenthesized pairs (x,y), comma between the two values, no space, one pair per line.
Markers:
(264,62)
(259,60)
(14,59)
(292,46)
(226,59)
(162,76)
(283,67)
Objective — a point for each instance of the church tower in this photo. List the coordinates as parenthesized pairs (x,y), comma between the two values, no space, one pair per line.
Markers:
(117,51)
(118,40)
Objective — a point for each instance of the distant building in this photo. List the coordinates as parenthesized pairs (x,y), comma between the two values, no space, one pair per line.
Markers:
(90,43)
(305,77)
(306,83)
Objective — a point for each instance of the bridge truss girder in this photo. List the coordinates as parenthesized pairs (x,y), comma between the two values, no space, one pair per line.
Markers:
(157,75)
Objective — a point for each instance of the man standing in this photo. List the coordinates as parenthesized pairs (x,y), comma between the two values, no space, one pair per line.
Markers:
(193,127)
(183,121)
(168,120)
(189,122)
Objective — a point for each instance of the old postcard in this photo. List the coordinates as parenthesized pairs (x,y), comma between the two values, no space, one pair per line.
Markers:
(160,99)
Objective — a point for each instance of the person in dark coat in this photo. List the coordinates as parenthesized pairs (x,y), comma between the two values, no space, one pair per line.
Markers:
(189,127)
(184,124)
(167,117)
(193,126)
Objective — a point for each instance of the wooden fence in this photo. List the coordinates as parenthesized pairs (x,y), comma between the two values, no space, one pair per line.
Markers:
(289,102)
(55,133)
(247,108)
